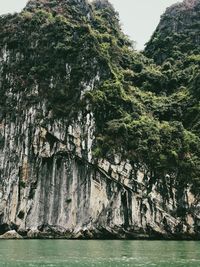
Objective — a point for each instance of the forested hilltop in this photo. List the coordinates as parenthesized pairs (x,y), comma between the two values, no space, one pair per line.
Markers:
(71,83)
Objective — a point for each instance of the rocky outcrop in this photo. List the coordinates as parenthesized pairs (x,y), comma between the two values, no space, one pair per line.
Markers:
(11,235)
(51,183)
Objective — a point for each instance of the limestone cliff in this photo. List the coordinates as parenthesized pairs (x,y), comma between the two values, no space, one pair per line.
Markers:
(57,176)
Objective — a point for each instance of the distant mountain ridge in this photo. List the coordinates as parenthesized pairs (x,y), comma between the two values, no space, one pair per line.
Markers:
(179,28)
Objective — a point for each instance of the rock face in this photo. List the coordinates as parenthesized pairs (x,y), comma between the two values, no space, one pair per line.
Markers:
(51,183)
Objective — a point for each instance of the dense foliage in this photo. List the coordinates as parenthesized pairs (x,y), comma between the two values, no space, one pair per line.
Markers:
(149,112)
(146,105)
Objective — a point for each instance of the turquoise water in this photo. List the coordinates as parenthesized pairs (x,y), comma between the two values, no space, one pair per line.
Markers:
(63,253)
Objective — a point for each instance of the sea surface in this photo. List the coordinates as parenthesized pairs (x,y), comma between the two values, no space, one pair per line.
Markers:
(63,253)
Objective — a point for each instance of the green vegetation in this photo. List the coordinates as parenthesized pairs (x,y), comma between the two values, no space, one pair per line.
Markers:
(146,105)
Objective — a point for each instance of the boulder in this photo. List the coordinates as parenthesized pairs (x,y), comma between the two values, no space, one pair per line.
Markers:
(11,235)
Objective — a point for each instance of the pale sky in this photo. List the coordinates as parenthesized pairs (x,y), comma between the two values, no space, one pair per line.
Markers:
(139,18)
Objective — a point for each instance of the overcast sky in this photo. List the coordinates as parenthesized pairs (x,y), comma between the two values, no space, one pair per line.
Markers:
(139,17)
